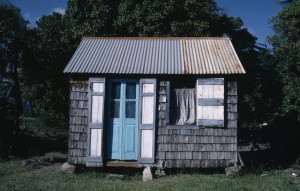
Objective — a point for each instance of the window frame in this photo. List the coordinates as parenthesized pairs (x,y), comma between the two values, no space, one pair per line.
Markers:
(195,125)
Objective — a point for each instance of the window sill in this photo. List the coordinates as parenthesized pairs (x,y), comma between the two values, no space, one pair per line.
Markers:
(170,127)
(190,127)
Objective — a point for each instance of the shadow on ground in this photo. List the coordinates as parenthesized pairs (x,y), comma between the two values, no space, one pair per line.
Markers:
(274,146)
(34,144)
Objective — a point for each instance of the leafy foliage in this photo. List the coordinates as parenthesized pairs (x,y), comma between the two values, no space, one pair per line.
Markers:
(271,104)
(47,89)
(152,18)
(273,85)
(12,30)
(286,48)
(12,27)
(89,18)
(168,18)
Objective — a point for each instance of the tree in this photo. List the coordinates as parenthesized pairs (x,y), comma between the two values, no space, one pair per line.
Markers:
(271,88)
(175,18)
(286,48)
(152,18)
(89,18)
(168,18)
(47,89)
(277,96)
(12,30)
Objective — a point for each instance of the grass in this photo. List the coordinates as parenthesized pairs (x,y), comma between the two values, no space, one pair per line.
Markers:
(15,177)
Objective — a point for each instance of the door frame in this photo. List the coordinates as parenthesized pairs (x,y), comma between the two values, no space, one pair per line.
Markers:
(122,116)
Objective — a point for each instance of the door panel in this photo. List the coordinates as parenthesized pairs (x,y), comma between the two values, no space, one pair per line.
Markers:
(123,120)
(129,142)
(115,141)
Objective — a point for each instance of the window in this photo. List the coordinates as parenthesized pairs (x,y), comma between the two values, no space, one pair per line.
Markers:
(196,101)
(182,101)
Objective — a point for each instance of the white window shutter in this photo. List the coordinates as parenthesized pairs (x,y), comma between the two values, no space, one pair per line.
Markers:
(210,102)
(94,152)
(147,121)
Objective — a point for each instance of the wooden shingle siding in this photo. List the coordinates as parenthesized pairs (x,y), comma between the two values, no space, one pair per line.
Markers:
(197,147)
(78,122)
(180,147)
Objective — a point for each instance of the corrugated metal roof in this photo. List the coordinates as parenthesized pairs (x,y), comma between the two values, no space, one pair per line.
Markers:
(173,55)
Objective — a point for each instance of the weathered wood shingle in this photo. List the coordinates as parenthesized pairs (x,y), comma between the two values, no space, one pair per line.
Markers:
(78,121)
(197,147)
(184,148)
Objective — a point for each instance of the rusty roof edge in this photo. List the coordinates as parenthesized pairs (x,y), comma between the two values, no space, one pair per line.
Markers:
(154,38)
(238,59)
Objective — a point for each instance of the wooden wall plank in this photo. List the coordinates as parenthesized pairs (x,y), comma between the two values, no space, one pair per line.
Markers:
(218,92)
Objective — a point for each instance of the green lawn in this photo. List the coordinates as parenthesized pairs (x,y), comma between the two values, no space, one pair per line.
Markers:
(15,177)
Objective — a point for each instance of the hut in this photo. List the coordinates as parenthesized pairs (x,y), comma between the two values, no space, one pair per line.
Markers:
(161,102)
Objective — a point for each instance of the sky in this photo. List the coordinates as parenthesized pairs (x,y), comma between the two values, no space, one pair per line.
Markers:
(254,13)
(33,10)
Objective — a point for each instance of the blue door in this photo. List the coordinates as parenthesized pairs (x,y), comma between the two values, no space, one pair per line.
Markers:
(123,120)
